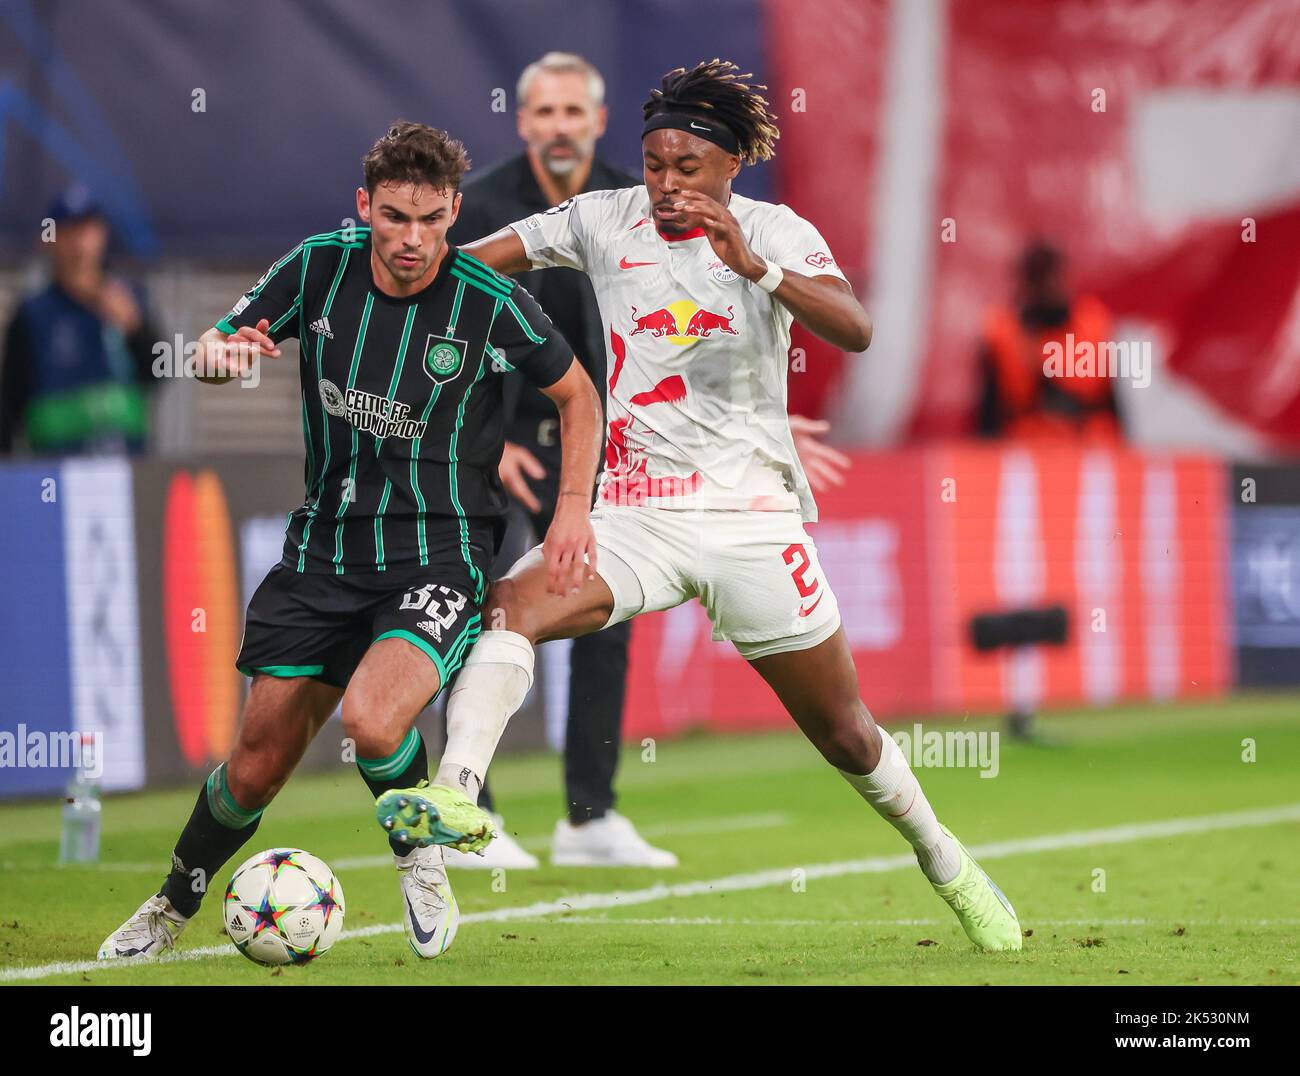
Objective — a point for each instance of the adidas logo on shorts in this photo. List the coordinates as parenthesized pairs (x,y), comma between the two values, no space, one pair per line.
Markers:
(432,627)
(321,326)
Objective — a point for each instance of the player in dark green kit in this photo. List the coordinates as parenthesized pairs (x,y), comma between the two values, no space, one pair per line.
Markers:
(404,342)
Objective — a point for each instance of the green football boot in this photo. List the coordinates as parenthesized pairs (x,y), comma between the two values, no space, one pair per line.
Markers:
(433,814)
(982,908)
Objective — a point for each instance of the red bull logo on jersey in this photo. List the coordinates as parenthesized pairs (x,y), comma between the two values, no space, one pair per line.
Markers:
(704,322)
(627,480)
(683,323)
(661,322)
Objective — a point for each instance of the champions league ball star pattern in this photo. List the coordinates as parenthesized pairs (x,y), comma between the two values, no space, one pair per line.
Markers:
(283,906)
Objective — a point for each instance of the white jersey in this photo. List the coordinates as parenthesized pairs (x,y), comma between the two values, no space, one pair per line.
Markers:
(696,396)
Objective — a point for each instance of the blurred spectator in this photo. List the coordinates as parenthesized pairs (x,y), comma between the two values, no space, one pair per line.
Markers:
(77,353)
(1018,398)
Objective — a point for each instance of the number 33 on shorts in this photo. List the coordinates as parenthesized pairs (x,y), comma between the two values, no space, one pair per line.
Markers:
(440,620)
(438,608)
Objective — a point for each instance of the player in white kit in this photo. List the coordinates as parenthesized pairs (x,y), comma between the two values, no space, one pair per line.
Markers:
(703,495)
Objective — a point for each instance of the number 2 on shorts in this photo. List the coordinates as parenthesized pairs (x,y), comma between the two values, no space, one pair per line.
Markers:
(797,552)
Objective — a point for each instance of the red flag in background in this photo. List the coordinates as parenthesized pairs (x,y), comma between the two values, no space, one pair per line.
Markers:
(1234,310)
(1140,138)
(827,63)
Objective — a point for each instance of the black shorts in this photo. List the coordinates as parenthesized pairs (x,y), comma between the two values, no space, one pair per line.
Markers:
(319,625)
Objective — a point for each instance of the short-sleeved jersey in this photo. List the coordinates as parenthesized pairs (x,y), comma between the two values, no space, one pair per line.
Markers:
(696,395)
(401,401)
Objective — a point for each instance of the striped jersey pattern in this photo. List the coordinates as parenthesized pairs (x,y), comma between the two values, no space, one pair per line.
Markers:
(401,402)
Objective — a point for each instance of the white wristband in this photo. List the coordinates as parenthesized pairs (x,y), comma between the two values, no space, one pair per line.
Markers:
(771,280)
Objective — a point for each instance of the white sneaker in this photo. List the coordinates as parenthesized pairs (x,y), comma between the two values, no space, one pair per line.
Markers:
(611,841)
(147,935)
(430,913)
(503,851)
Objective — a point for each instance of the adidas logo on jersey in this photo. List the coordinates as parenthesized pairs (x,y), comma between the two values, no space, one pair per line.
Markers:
(321,326)
(432,627)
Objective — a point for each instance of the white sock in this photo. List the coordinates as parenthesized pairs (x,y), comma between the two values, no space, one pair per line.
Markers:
(894,792)
(491,686)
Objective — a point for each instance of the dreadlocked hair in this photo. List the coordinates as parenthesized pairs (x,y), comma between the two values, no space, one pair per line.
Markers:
(718,88)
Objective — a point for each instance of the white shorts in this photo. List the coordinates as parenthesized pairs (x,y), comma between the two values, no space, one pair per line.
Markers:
(756,573)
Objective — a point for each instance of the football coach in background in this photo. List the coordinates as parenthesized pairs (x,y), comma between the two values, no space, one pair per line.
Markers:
(561,115)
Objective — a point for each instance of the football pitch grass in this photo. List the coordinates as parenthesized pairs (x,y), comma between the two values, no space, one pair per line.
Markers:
(1137,846)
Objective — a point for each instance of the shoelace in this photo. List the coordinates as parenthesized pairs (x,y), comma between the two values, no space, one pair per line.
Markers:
(427,878)
(153,928)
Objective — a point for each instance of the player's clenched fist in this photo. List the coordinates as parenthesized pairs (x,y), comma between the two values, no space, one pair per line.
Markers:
(569,548)
(697,210)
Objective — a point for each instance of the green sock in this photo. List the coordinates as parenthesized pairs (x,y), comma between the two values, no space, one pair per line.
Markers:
(218,827)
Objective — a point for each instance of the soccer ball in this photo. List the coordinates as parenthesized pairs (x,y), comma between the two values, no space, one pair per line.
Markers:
(283,906)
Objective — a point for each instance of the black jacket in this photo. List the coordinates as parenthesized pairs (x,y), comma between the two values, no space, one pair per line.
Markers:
(503,195)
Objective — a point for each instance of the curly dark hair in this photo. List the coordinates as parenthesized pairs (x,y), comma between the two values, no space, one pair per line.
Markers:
(717,88)
(416,153)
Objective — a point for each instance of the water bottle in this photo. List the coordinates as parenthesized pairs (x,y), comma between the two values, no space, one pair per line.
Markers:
(79,838)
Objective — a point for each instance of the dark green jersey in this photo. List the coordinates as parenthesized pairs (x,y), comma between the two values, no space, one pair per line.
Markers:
(401,402)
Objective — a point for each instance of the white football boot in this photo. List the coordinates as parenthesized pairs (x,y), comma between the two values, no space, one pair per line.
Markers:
(430,913)
(504,851)
(147,935)
(611,841)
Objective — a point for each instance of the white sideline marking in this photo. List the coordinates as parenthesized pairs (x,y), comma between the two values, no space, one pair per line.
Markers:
(725,824)
(710,921)
(1088,838)
(109,865)
(669,829)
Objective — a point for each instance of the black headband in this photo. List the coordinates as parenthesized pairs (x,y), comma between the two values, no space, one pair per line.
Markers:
(708,129)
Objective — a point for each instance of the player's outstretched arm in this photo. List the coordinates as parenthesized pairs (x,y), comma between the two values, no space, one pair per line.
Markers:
(226,356)
(502,251)
(570,544)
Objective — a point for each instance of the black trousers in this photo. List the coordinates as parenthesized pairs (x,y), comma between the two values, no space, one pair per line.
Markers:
(597,662)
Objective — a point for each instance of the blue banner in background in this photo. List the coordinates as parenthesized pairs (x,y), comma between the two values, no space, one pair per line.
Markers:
(35,664)
(1266,578)
(231,131)
(1266,574)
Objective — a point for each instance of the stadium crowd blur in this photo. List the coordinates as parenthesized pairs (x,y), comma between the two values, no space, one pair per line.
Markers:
(76,377)
(76,371)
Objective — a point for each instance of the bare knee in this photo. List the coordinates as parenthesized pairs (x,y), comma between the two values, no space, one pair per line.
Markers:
(256,772)
(850,740)
(370,720)
(278,723)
